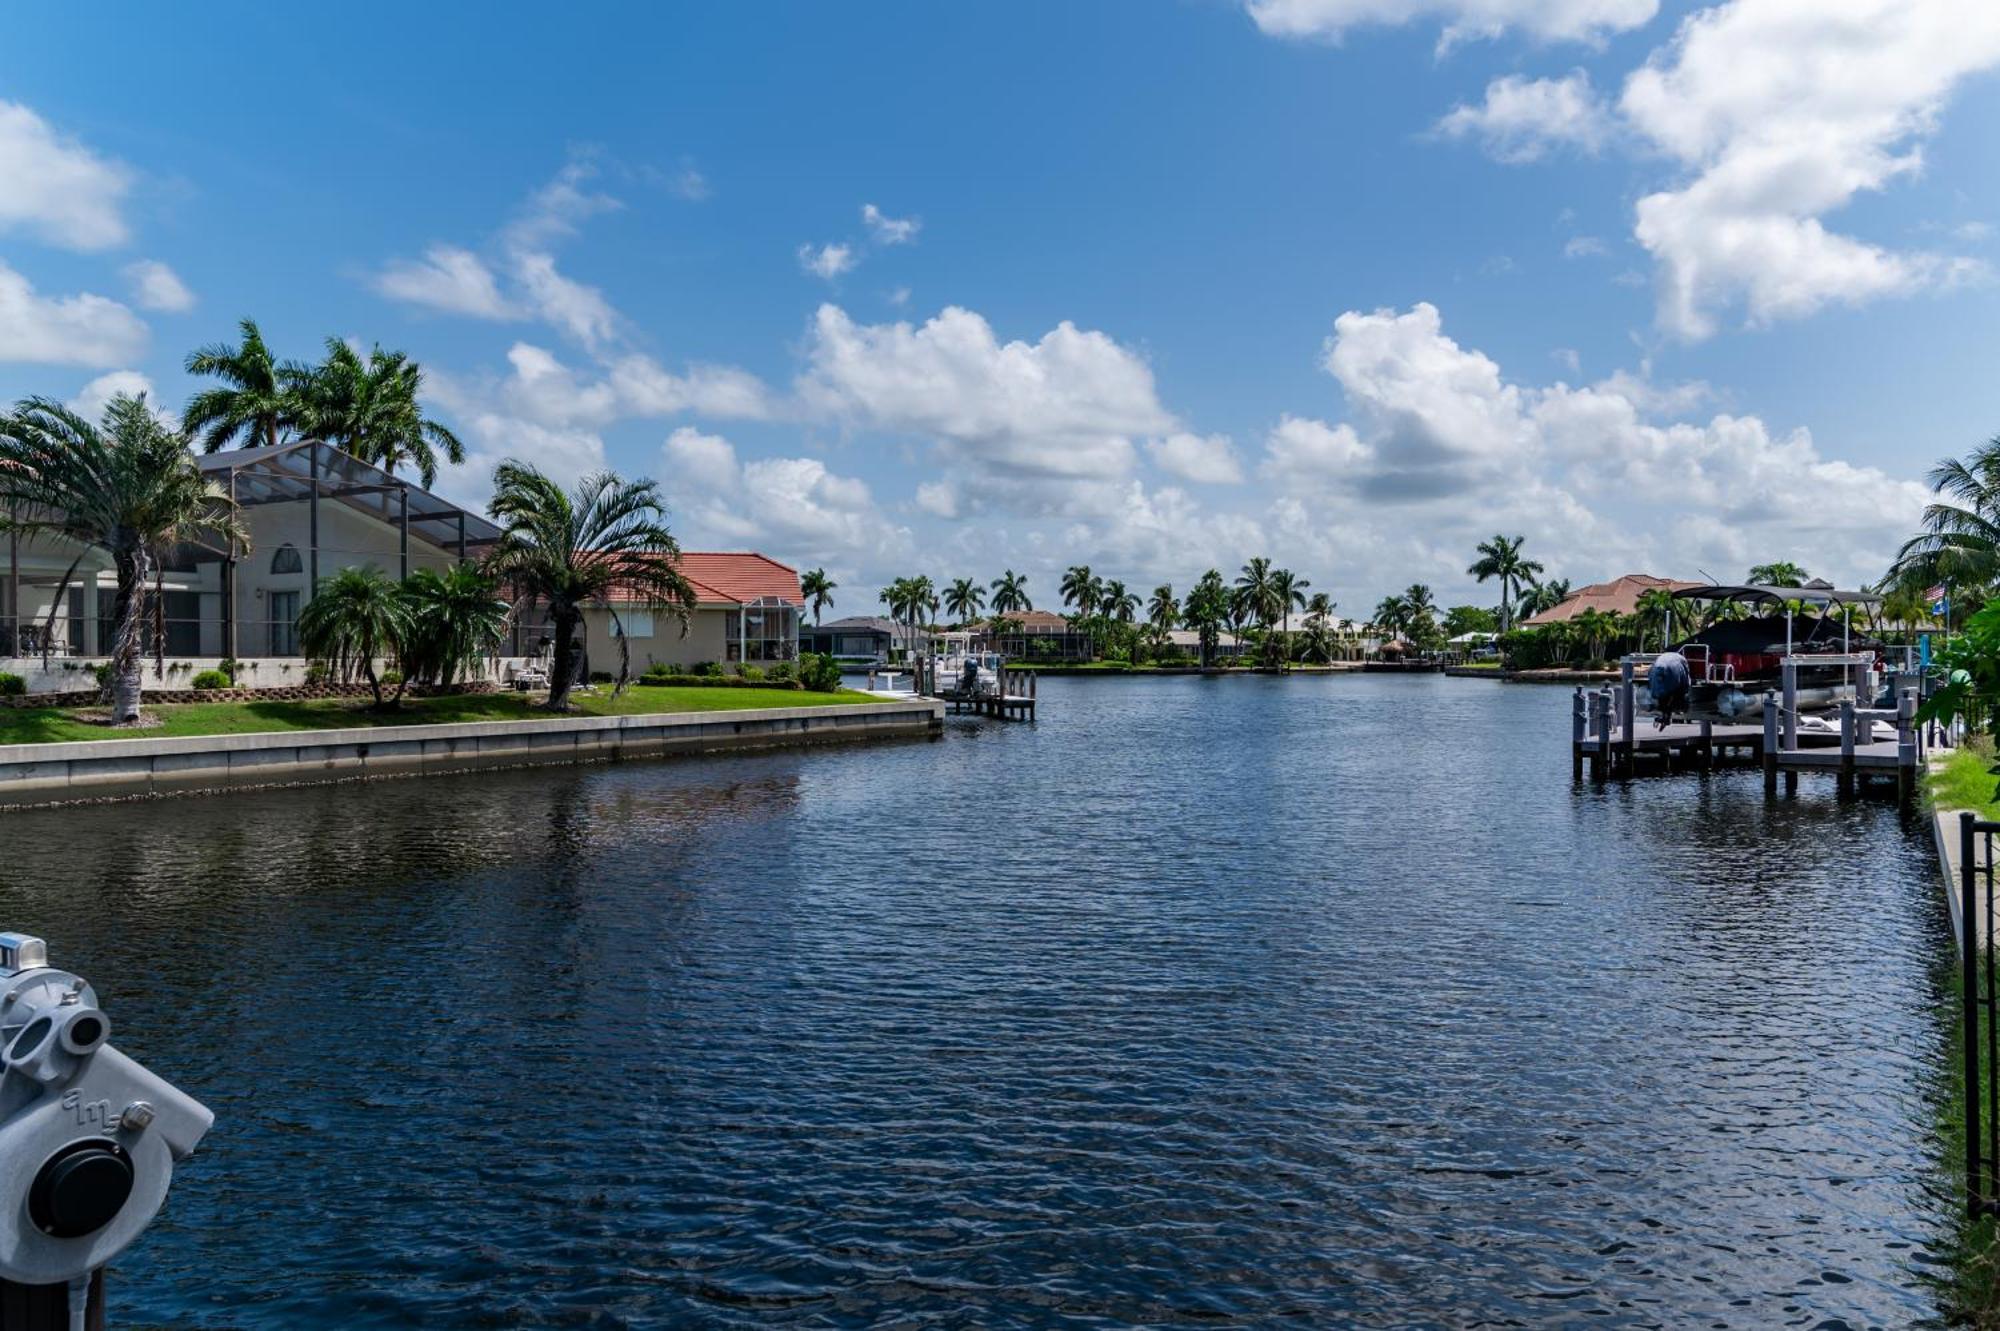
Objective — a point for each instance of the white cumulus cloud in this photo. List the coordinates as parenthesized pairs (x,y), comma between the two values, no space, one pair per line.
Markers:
(1523,119)
(1203,459)
(83,329)
(447,279)
(888,230)
(157,287)
(55,188)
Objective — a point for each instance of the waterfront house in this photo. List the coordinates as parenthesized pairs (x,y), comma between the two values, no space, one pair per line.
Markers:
(1039,635)
(312,510)
(748,609)
(1619,596)
(862,639)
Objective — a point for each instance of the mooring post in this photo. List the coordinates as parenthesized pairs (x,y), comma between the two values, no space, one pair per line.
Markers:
(1770,746)
(1708,744)
(1847,746)
(1790,677)
(1625,705)
(1600,724)
(1906,745)
(1577,724)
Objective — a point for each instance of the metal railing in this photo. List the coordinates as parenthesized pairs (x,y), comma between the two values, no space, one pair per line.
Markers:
(1980,1033)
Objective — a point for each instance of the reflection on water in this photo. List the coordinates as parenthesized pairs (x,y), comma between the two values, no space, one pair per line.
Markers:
(1327,1000)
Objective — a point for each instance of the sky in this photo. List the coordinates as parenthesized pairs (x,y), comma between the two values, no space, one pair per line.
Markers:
(1153,285)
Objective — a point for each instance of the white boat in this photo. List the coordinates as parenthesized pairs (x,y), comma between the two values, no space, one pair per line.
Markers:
(962,670)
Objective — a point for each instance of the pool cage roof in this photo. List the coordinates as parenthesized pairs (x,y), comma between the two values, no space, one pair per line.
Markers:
(292,473)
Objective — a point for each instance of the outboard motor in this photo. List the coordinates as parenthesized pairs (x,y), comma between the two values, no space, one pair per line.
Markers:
(1667,683)
(88,1138)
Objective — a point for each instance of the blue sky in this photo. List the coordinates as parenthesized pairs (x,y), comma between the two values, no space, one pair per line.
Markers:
(1151,285)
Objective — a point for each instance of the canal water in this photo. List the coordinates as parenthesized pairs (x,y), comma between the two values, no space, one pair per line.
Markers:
(1325,1001)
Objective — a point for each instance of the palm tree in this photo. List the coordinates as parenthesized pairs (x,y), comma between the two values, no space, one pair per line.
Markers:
(1207,608)
(1119,604)
(1784,573)
(1593,626)
(1081,588)
(127,486)
(574,550)
(355,618)
(1289,590)
(1655,609)
(1420,610)
(1392,616)
(1501,558)
(1010,593)
(1542,596)
(964,599)
(1256,588)
(1316,643)
(456,617)
(818,590)
(1163,612)
(370,409)
(1960,541)
(259,404)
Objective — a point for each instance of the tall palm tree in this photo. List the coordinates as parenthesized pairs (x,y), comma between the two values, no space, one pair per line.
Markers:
(1289,590)
(369,408)
(127,486)
(1392,616)
(1420,609)
(1501,558)
(1118,604)
(456,617)
(1163,612)
(356,618)
(818,590)
(573,550)
(260,403)
(1081,588)
(1255,585)
(1783,573)
(1010,593)
(964,599)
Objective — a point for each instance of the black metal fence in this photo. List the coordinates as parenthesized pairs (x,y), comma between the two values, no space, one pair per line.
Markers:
(1980,1034)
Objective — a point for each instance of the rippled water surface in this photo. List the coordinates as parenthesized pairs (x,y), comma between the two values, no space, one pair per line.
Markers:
(1324,1001)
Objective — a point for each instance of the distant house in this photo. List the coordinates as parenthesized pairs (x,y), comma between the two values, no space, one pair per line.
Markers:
(1041,635)
(857,638)
(1188,643)
(1619,596)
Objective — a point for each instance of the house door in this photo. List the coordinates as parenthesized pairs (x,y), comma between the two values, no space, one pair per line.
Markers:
(283,608)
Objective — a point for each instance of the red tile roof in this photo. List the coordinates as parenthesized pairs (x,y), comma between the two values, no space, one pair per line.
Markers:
(1619,596)
(740,576)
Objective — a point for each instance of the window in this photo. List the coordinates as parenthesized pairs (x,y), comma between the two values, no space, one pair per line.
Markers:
(284,621)
(285,559)
(635,623)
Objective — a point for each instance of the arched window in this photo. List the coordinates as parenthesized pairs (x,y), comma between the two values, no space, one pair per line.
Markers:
(285,559)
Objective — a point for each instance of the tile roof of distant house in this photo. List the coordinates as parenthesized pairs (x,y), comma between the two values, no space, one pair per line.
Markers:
(1619,596)
(1038,621)
(861,623)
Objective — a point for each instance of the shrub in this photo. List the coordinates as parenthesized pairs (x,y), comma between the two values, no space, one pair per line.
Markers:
(210,679)
(232,668)
(102,673)
(391,678)
(748,671)
(704,668)
(819,672)
(11,685)
(781,671)
(601,677)
(318,672)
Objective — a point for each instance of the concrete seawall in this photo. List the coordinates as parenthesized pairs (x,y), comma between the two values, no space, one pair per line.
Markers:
(42,774)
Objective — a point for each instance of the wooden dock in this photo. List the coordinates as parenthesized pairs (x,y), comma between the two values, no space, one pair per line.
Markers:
(1609,737)
(1013,699)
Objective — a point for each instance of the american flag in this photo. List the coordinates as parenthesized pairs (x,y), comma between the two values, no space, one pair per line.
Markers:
(1934,593)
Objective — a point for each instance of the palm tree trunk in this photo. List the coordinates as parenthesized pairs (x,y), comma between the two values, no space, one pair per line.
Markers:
(564,665)
(127,657)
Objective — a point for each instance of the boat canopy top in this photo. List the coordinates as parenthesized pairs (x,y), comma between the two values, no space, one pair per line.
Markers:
(1813,593)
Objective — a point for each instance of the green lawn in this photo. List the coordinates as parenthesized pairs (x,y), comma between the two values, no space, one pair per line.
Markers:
(46,725)
(1968,779)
